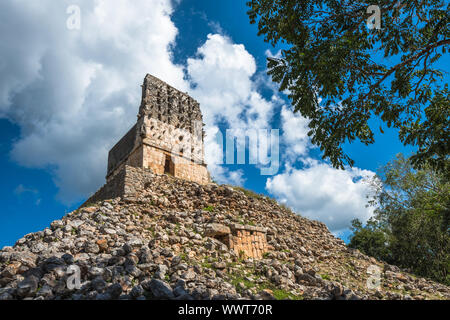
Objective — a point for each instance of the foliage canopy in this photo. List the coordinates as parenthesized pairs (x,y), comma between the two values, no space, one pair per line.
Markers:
(411,225)
(340,74)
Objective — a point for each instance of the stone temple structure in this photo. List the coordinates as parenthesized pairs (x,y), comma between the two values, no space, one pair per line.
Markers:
(167,138)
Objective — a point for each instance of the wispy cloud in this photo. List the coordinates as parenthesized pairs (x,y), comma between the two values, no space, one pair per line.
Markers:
(20,189)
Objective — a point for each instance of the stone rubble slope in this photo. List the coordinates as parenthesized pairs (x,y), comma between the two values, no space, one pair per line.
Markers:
(154,246)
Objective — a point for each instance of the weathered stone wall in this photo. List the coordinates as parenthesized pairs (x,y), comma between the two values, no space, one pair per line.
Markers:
(178,141)
(135,159)
(115,187)
(188,170)
(136,180)
(128,180)
(248,240)
(122,149)
(154,159)
(167,138)
(180,167)
(163,102)
(244,240)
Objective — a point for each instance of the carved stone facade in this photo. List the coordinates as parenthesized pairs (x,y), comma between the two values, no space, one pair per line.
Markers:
(245,240)
(248,241)
(167,138)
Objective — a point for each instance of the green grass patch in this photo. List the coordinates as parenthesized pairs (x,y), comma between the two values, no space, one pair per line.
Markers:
(152,230)
(325,276)
(239,279)
(284,295)
(250,193)
(246,222)
(278,293)
(183,256)
(266,255)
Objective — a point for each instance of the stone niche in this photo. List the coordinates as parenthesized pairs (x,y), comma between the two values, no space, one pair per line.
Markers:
(245,240)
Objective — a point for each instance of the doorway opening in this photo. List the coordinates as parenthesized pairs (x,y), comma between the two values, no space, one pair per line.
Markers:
(169,166)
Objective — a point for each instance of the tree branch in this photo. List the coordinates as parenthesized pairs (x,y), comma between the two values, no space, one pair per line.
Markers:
(406,62)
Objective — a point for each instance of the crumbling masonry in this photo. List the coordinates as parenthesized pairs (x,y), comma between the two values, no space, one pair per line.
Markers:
(168,139)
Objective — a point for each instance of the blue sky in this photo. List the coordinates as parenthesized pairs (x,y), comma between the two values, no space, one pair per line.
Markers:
(66,96)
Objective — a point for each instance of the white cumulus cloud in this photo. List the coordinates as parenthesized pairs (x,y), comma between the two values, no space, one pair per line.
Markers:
(315,189)
(323,193)
(295,134)
(222,77)
(74,93)
(222,74)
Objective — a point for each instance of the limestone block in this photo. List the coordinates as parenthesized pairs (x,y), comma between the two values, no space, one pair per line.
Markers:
(216,229)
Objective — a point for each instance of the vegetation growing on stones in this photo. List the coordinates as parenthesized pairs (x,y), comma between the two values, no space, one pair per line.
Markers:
(411,226)
(162,252)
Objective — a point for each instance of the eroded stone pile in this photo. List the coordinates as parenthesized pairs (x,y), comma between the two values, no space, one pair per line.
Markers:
(154,246)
